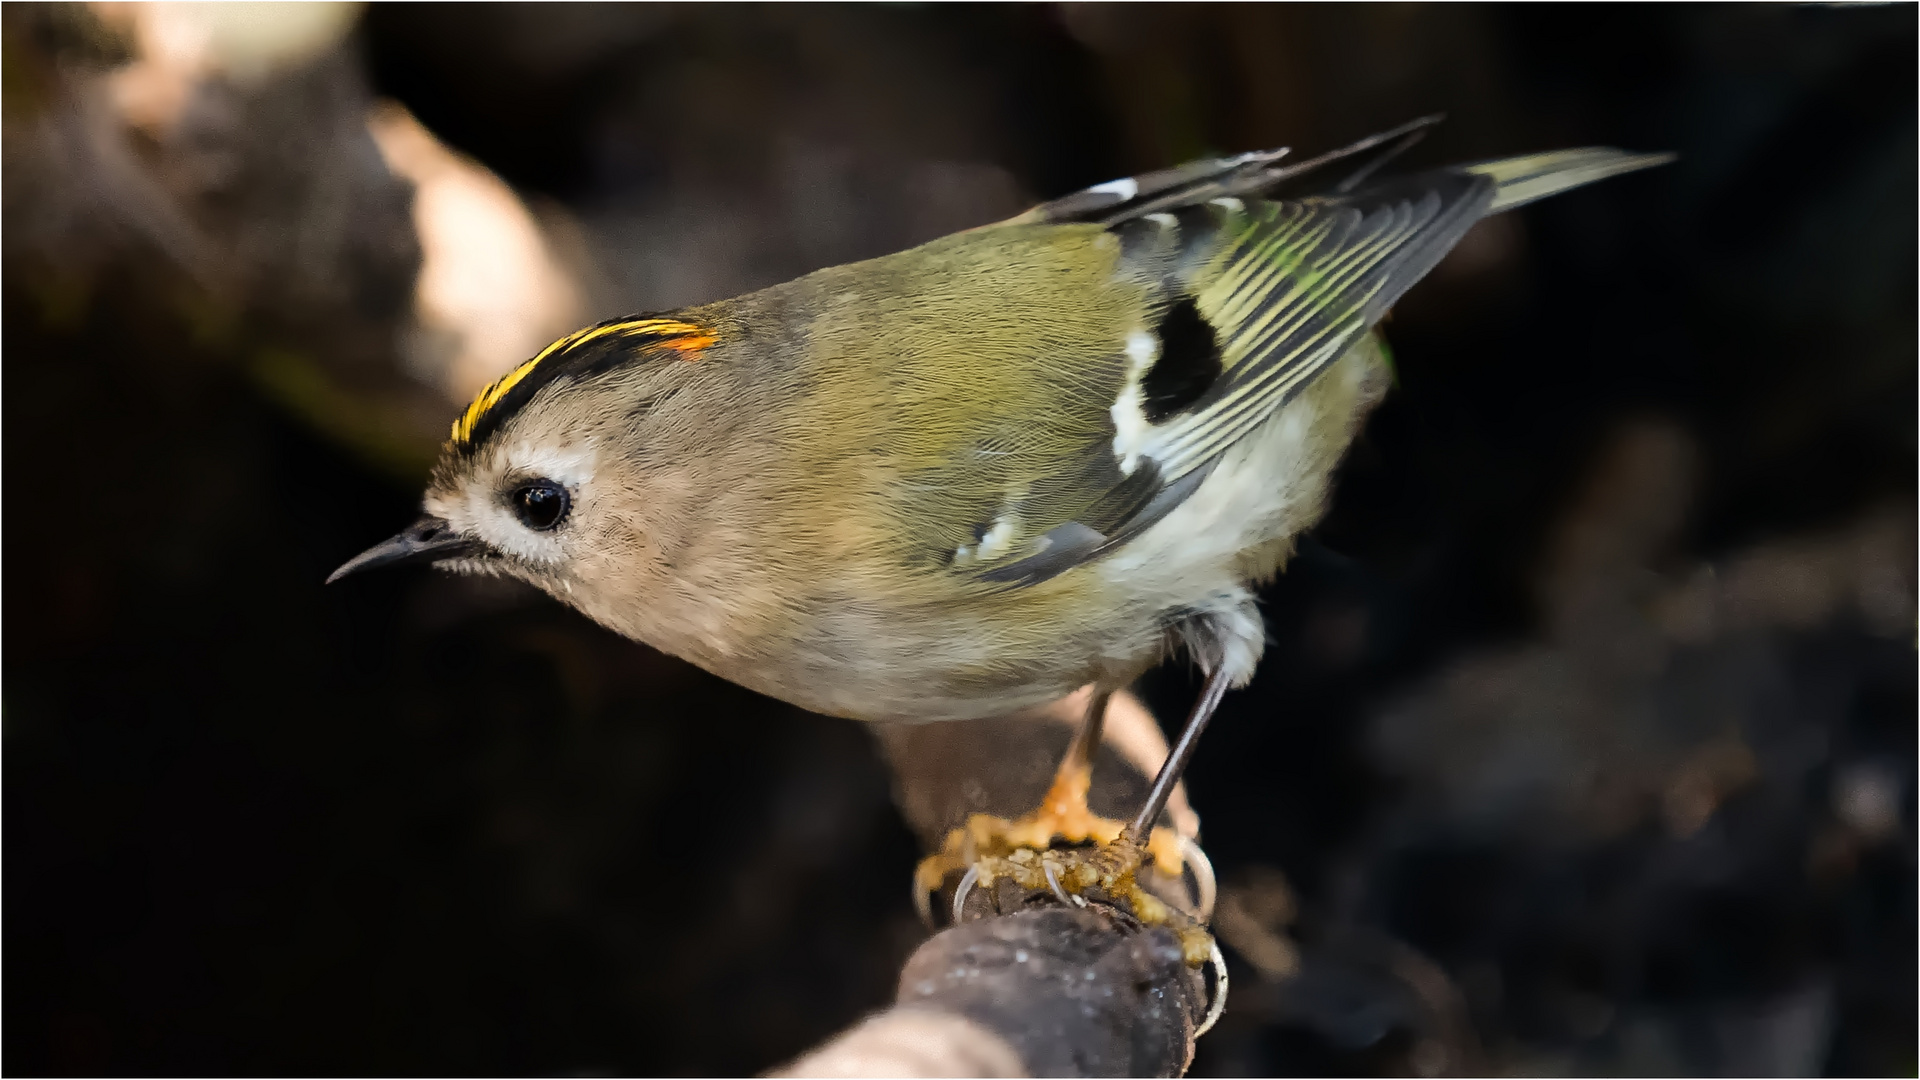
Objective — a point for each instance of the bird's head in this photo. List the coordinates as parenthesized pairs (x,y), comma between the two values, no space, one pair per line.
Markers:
(563,473)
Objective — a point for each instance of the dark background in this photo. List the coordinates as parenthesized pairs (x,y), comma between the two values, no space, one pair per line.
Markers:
(1521,796)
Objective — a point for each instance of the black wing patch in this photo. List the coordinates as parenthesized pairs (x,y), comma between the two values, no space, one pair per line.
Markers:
(1188,364)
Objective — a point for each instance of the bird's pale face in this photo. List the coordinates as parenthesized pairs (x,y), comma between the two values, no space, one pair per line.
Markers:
(539,501)
(564,497)
(522,508)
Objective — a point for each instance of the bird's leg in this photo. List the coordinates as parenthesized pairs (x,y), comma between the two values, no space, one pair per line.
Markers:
(1062,812)
(1063,809)
(1022,851)
(1133,844)
(1113,868)
(1176,764)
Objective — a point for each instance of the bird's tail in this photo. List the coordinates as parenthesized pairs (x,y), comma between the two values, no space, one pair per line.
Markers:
(1521,180)
(1536,176)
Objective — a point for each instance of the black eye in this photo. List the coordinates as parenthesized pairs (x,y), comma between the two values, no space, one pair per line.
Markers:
(540,505)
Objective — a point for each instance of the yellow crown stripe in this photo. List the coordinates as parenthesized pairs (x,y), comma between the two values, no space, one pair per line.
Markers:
(463,427)
(680,336)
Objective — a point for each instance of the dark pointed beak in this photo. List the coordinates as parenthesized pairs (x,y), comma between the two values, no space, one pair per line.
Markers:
(428,539)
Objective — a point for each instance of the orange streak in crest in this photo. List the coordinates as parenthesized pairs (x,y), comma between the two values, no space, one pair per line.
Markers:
(687,339)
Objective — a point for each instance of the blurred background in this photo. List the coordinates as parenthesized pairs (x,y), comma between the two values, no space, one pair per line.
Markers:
(1585,743)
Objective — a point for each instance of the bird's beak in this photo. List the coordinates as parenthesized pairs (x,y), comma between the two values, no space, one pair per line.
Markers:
(428,539)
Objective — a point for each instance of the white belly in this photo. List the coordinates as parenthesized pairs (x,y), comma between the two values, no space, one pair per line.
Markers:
(1238,528)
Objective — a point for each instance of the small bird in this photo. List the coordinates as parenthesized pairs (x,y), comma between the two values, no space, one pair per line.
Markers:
(976,476)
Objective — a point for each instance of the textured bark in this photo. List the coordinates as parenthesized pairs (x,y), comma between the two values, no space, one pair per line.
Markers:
(1050,991)
(1032,988)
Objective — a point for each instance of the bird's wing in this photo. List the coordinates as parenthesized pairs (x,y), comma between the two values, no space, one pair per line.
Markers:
(1245,301)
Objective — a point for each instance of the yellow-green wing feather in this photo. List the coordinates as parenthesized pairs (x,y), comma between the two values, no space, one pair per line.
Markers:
(1059,438)
(1289,286)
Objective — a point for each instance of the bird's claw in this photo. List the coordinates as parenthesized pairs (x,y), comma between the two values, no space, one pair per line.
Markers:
(985,850)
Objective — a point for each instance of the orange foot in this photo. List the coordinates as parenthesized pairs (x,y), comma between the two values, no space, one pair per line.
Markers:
(1022,851)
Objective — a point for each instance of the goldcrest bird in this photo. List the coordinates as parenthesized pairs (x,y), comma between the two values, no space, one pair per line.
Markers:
(978,475)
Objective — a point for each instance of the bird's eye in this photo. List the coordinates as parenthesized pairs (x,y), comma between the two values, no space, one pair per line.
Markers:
(540,505)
